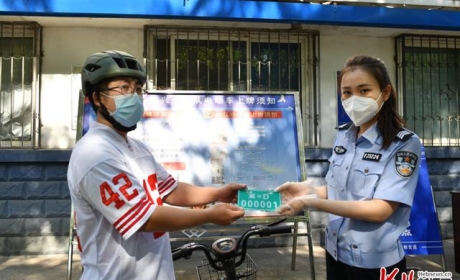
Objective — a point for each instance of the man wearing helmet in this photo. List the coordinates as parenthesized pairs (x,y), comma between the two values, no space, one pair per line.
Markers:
(118,188)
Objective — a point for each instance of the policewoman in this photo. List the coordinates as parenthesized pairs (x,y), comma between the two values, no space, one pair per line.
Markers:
(371,180)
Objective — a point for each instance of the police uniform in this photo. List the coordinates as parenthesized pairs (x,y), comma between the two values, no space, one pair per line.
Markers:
(361,170)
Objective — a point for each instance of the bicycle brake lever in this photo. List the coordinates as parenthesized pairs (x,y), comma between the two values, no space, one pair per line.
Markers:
(276,222)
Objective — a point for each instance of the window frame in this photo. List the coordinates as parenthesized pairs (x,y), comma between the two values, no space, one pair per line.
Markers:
(22,30)
(423,76)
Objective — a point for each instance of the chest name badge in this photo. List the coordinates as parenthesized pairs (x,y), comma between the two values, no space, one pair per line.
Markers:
(372,156)
(339,150)
(405,163)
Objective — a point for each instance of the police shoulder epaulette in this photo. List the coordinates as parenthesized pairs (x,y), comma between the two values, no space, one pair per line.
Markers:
(344,126)
(404,135)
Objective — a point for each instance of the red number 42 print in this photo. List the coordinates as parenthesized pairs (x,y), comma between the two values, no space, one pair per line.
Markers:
(109,196)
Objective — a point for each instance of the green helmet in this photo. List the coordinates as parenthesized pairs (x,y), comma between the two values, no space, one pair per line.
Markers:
(109,64)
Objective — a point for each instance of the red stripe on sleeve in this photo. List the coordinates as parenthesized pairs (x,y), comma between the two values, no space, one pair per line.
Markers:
(124,216)
(165,185)
(147,192)
(136,220)
(131,216)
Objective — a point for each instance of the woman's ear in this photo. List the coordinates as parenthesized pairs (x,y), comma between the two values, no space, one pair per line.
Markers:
(386,92)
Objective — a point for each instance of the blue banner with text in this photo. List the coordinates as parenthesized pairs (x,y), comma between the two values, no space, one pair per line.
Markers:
(423,236)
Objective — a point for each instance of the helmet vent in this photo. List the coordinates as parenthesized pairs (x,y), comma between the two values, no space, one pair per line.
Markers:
(132,64)
(120,62)
(92,67)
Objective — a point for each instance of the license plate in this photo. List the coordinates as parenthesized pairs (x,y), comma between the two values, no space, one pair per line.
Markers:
(260,200)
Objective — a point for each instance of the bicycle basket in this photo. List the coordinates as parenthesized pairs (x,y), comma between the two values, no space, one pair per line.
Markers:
(247,270)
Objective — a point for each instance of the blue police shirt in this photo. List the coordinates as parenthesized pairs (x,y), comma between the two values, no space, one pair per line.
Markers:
(359,169)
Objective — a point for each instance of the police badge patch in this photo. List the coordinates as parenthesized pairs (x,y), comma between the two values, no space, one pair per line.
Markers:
(339,150)
(405,163)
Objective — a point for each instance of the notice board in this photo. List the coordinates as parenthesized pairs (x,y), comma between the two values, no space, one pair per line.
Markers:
(214,138)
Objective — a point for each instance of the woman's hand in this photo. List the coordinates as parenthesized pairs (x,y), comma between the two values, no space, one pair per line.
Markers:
(297,204)
(290,190)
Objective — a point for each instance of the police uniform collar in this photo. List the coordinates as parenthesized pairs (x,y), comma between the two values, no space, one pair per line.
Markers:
(344,126)
(350,131)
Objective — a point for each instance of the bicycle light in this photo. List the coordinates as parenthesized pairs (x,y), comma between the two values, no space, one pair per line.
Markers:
(224,246)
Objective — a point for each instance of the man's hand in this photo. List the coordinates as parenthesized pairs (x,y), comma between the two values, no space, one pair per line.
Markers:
(224,214)
(228,192)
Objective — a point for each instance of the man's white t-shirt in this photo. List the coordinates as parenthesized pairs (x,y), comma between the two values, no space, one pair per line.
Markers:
(115,186)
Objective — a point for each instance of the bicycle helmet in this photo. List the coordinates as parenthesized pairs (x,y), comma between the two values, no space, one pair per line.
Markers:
(109,64)
(105,65)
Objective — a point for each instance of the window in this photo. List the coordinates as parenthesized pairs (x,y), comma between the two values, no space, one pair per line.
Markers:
(206,65)
(18,68)
(429,79)
(237,60)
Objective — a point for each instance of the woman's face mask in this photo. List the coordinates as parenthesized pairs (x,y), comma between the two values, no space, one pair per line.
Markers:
(361,109)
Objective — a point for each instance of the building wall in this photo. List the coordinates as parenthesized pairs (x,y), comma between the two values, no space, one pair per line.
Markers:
(65,48)
(34,201)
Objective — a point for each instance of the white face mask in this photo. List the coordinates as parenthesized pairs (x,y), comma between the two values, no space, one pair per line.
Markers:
(361,109)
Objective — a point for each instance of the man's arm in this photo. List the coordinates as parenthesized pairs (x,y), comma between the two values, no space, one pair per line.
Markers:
(166,218)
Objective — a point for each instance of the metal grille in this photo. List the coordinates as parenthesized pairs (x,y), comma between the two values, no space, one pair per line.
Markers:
(215,59)
(429,81)
(19,49)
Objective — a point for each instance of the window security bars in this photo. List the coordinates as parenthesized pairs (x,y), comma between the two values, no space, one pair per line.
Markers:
(19,51)
(213,59)
(429,78)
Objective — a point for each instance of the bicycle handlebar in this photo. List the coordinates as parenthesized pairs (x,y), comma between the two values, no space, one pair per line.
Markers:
(186,251)
(230,251)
